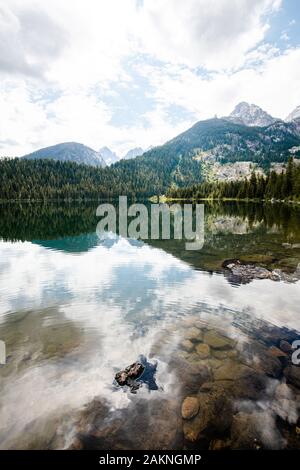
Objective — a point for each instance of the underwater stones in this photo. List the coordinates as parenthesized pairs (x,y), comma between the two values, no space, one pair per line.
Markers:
(217,341)
(190,375)
(190,407)
(255,431)
(232,370)
(215,363)
(276,352)
(193,334)
(260,359)
(187,345)
(251,386)
(292,375)
(203,350)
(182,354)
(285,403)
(224,354)
(219,444)
(284,391)
(285,346)
(271,366)
(244,433)
(214,415)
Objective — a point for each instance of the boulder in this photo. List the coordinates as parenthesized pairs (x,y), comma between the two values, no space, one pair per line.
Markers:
(292,375)
(187,345)
(256,430)
(219,444)
(232,370)
(224,354)
(260,359)
(214,415)
(129,375)
(203,350)
(190,407)
(217,341)
(285,346)
(276,352)
(193,334)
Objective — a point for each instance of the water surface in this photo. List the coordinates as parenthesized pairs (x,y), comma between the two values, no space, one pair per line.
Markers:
(74,310)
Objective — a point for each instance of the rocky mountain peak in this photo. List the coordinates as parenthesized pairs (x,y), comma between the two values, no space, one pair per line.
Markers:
(294,114)
(251,115)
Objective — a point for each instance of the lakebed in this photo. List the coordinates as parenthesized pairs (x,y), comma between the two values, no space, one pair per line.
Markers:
(75,310)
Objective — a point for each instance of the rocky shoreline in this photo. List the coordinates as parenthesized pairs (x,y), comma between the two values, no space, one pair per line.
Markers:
(242,272)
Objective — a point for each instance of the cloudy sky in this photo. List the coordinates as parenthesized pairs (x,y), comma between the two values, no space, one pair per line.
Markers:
(126,73)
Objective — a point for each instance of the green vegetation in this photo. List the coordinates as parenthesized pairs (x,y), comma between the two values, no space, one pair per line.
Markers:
(22,179)
(181,162)
(282,186)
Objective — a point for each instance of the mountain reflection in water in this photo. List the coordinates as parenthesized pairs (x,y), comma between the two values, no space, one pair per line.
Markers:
(73,310)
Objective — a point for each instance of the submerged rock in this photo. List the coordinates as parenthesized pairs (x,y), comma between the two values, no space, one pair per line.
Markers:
(203,350)
(219,444)
(214,415)
(129,375)
(285,346)
(217,341)
(255,431)
(187,345)
(190,407)
(292,375)
(193,334)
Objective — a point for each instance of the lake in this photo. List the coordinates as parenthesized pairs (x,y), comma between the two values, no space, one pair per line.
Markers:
(75,309)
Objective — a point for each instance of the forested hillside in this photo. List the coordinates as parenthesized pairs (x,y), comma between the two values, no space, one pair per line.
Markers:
(283,186)
(181,162)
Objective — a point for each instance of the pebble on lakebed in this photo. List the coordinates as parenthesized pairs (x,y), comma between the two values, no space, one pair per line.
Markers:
(190,407)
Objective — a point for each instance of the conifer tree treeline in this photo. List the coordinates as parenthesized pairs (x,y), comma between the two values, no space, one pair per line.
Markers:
(282,186)
(43,180)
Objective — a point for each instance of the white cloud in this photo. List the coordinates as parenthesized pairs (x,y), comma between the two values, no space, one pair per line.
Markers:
(214,35)
(61,61)
(273,84)
(29,38)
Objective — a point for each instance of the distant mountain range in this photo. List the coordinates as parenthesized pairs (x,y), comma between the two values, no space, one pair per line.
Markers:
(212,149)
(111,157)
(108,156)
(294,114)
(249,134)
(69,151)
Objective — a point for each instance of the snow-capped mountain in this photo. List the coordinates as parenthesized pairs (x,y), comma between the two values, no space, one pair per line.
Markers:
(111,157)
(294,115)
(251,115)
(133,153)
(108,155)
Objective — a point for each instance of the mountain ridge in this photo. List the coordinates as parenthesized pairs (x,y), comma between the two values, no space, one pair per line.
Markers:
(68,151)
(295,114)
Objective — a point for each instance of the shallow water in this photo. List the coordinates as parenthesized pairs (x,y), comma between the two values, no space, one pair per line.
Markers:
(74,310)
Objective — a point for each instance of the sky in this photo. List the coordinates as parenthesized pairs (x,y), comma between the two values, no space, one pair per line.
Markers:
(135,73)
